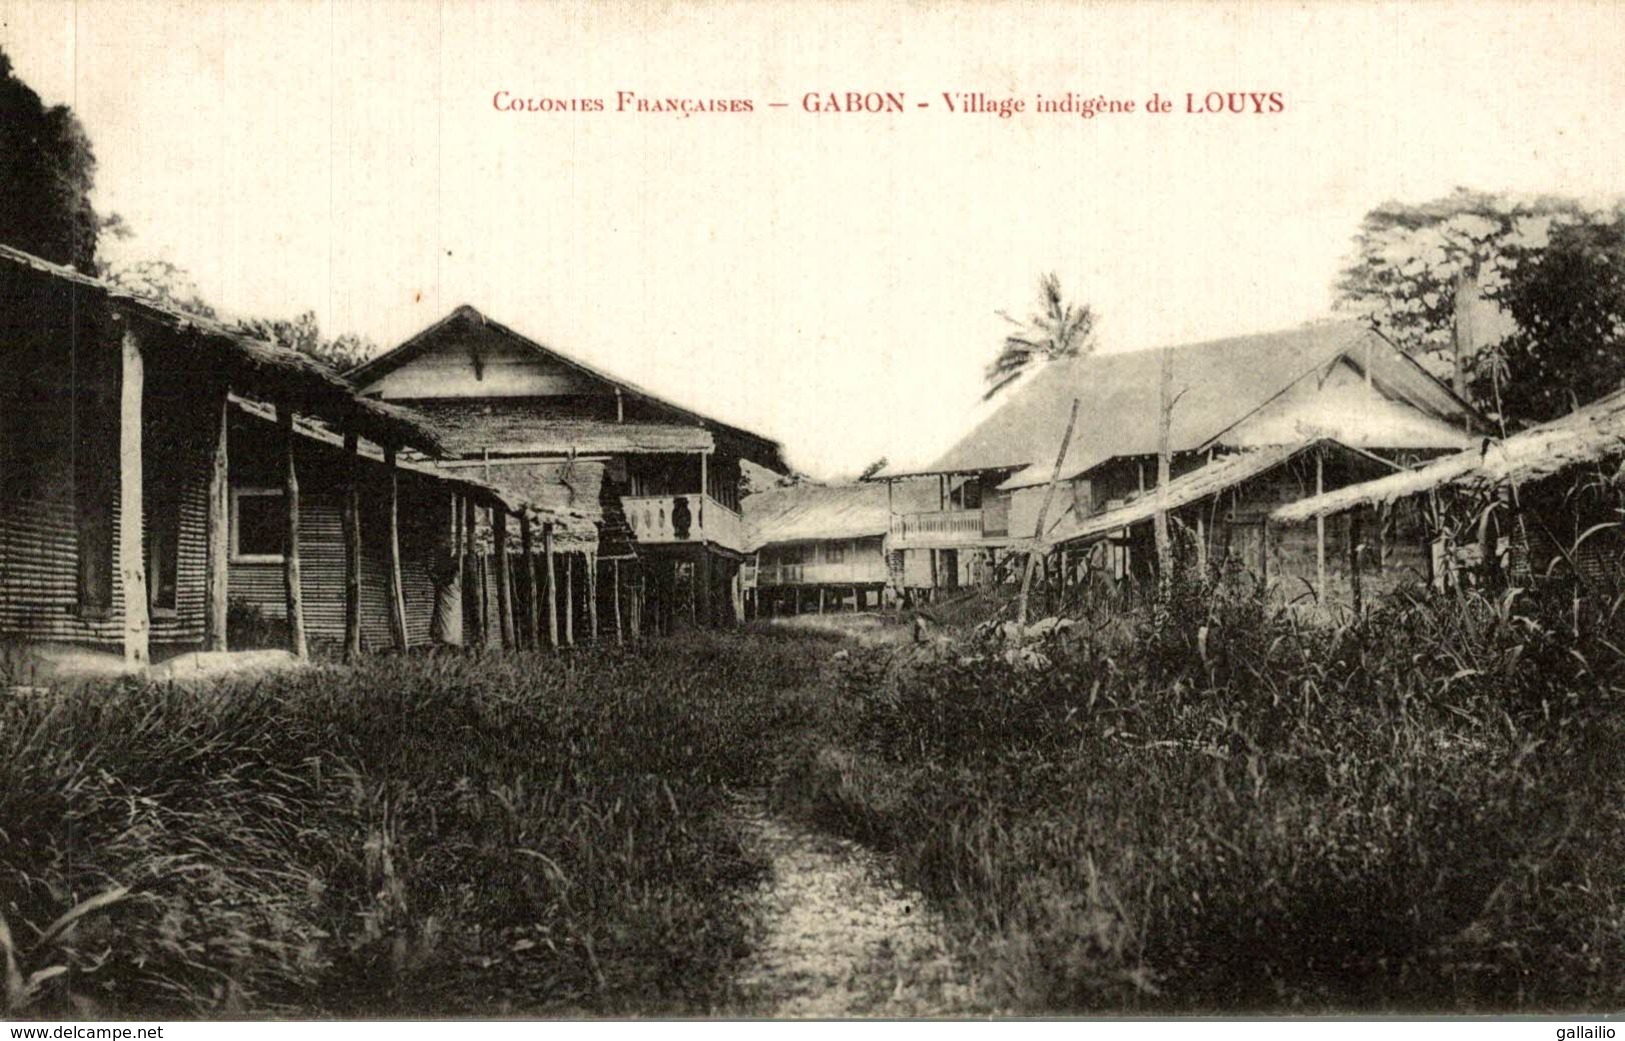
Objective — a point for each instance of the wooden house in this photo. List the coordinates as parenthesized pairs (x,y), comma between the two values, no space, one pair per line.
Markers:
(1304,409)
(137,497)
(818,547)
(661,482)
(1538,506)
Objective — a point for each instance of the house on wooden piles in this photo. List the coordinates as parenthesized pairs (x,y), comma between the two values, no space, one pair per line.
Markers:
(1539,506)
(662,481)
(1257,421)
(818,547)
(137,498)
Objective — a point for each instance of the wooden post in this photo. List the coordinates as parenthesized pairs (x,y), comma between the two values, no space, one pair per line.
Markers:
(1043,514)
(293,594)
(702,578)
(569,600)
(615,584)
(527,575)
(1201,546)
(499,561)
(131,534)
(552,588)
(591,560)
(352,547)
(1320,527)
(473,597)
(820,599)
(218,565)
(1159,520)
(397,591)
(699,512)
(1354,559)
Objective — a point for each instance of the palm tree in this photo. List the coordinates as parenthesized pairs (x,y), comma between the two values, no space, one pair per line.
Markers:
(1057,330)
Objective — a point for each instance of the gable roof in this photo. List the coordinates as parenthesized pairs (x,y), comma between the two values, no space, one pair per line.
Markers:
(1219,383)
(1590,434)
(519,427)
(252,365)
(369,372)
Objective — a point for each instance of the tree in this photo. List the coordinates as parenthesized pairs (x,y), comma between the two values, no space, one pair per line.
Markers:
(303,334)
(873,468)
(161,282)
(1057,330)
(1567,301)
(1421,272)
(47,170)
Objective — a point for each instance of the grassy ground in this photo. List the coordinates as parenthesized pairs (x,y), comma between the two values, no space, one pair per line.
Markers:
(1197,805)
(446,835)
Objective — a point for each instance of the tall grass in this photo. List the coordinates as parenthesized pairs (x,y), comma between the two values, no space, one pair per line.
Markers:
(1201,805)
(447,835)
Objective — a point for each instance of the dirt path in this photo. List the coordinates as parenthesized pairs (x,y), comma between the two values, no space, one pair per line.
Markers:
(840,937)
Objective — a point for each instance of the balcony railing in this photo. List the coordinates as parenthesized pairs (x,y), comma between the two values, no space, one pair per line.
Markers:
(938,526)
(654,520)
(855,572)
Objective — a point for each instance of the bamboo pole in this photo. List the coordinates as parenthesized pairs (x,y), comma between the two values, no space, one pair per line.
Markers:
(397,590)
(1354,560)
(293,593)
(352,547)
(552,588)
(1043,514)
(219,550)
(615,583)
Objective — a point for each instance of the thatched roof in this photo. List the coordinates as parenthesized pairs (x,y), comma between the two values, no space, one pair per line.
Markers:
(761,450)
(521,426)
(1591,434)
(252,366)
(1219,384)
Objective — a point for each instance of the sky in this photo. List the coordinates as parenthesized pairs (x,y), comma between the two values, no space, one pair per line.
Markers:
(830,280)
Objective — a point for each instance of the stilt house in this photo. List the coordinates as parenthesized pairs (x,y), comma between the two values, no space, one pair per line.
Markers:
(1257,421)
(662,482)
(157,468)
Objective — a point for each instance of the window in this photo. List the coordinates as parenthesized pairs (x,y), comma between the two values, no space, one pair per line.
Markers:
(95,433)
(835,552)
(163,550)
(259,525)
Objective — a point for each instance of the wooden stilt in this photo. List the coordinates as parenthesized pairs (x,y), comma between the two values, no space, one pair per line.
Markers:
(474,622)
(527,581)
(397,592)
(131,530)
(820,599)
(552,591)
(615,583)
(1320,528)
(352,547)
(1354,559)
(293,594)
(569,600)
(499,561)
(591,562)
(219,552)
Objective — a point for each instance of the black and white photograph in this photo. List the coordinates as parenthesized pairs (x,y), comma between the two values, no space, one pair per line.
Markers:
(900,510)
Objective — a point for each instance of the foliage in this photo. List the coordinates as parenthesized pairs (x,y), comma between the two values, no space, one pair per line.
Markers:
(1202,805)
(1567,301)
(303,334)
(446,835)
(1057,330)
(47,171)
(161,282)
